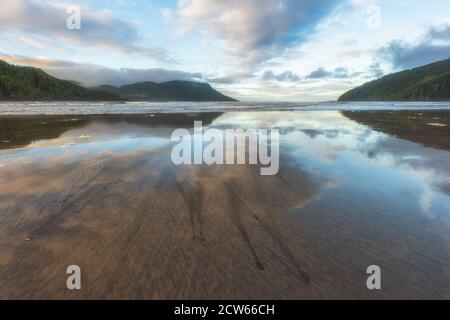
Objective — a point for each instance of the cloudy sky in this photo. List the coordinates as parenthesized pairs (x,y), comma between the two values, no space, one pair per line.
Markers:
(275,50)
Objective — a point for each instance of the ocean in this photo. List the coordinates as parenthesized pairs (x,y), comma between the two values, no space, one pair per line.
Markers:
(60,108)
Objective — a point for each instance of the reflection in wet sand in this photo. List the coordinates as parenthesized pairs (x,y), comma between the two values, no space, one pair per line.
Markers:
(140,227)
(430,127)
(20,131)
(346,197)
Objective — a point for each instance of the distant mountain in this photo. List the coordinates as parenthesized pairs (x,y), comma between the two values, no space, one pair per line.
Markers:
(27,83)
(167,91)
(427,83)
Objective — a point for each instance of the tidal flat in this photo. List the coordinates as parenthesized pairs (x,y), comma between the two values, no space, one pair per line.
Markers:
(354,189)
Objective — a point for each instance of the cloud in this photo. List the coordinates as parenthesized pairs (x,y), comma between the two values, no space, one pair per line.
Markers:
(223,80)
(439,33)
(253,31)
(99,29)
(434,46)
(375,70)
(93,75)
(287,76)
(320,73)
(231,78)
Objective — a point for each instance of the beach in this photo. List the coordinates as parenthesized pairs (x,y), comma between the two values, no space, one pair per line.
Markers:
(354,189)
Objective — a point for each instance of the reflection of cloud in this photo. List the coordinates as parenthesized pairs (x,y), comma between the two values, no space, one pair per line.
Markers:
(426,165)
(326,135)
(426,199)
(320,120)
(333,184)
(313,133)
(333,149)
(324,152)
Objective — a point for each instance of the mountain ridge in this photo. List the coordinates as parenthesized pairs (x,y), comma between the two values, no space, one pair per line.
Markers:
(430,82)
(175,90)
(24,83)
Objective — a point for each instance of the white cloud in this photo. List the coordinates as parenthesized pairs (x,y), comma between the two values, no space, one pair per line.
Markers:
(252,31)
(433,46)
(99,29)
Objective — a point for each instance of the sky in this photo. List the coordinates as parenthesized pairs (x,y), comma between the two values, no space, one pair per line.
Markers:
(252,50)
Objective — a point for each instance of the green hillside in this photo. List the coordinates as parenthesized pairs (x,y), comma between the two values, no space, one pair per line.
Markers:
(27,83)
(427,83)
(167,91)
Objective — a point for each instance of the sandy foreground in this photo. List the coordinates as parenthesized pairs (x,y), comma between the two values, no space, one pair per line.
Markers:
(140,227)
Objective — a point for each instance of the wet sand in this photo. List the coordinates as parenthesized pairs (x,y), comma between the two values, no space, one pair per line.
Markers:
(142,228)
(430,128)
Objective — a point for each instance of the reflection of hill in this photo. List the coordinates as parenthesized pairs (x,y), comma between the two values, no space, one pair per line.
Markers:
(19,131)
(430,128)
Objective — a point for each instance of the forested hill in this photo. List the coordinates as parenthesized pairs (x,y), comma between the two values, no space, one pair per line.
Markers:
(427,83)
(27,83)
(167,91)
